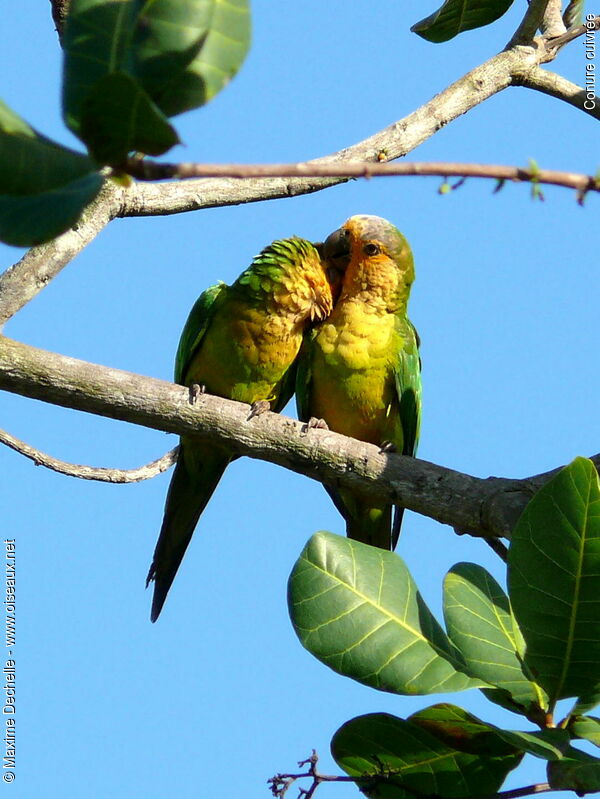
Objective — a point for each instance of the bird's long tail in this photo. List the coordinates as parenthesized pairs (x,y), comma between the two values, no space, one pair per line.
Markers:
(197,473)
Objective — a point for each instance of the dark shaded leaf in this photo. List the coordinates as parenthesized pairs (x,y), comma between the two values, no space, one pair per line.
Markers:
(43,186)
(118,117)
(394,755)
(357,609)
(554,581)
(480,624)
(577,771)
(35,218)
(31,163)
(96,41)
(456,16)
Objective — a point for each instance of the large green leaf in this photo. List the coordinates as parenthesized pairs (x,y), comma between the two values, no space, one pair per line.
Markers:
(179,53)
(554,581)
(212,46)
(577,771)
(394,755)
(118,117)
(357,609)
(456,16)
(43,186)
(480,624)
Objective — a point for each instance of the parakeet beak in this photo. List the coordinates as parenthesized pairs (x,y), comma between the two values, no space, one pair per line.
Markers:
(336,248)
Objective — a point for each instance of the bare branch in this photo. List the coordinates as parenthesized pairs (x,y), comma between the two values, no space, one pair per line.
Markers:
(529,24)
(542,80)
(552,23)
(471,505)
(151,170)
(102,474)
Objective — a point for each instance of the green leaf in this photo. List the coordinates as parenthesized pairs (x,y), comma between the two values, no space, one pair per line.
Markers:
(33,219)
(480,624)
(554,581)
(179,52)
(96,41)
(456,16)
(357,608)
(546,744)
(586,702)
(466,732)
(586,727)
(118,117)
(43,186)
(577,771)
(186,62)
(393,755)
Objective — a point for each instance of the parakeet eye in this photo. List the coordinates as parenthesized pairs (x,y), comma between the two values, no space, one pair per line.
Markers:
(371,249)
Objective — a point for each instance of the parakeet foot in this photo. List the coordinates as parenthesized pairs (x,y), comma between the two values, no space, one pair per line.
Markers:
(195,391)
(258,408)
(316,424)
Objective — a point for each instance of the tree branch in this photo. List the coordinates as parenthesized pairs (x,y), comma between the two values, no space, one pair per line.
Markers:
(542,80)
(152,170)
(529,24)
(511,67)
(102,474)
(487,508)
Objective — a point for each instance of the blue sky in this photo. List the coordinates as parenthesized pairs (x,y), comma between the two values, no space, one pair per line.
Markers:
(219,695)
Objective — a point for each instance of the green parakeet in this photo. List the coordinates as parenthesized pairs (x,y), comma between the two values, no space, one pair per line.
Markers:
(360,370)
(239,342)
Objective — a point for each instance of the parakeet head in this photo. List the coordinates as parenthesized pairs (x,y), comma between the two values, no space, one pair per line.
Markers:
(376,255)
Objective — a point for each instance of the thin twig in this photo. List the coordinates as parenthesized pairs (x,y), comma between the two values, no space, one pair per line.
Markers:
(102,474)
(556,42)
(280,783)
(152,170)
(527,790)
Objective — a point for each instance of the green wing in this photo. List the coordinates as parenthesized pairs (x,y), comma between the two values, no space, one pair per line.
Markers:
(408,388)
(196,326)
(304,376)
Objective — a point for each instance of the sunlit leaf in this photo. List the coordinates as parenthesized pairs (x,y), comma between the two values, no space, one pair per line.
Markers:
(357,609)
(480,623)
(212,46)
(456,16)
(554,581)
(393,755)
(586,727)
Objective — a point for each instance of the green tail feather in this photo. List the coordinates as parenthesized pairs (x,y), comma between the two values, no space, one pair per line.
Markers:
(189,493)
(371,524)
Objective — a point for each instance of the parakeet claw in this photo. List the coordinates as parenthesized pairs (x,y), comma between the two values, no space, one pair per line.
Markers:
(388,446)
(195,391)
(316,424)
(258,408)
